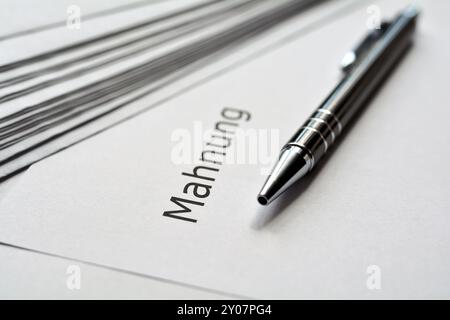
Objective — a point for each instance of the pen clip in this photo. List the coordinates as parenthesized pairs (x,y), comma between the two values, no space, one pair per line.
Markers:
(354,56)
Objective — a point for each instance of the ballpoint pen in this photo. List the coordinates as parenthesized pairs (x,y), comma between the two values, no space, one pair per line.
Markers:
(365,69)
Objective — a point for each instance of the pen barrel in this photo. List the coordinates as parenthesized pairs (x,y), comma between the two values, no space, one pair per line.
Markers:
(327,122)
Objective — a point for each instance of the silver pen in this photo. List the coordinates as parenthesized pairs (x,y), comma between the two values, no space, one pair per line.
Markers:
(365,69)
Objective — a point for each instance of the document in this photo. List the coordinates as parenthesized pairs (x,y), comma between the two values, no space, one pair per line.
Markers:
(58,96)
(25,274)
(23,19)
(31,275)
(137,198)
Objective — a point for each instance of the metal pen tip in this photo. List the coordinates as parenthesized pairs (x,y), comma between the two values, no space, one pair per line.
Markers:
(263,200)
(293,164)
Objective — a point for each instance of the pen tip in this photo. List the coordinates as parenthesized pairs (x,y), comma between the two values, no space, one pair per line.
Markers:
(293,164)
(263,200)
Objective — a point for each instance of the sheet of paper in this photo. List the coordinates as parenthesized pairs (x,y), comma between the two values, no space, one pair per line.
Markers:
(378,202)
(57,97)
(50,13)
(56,36)
(26,274)
(31,275)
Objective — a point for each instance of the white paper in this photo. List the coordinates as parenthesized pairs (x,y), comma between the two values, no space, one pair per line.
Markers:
(60,113)
(380,199)
(31,275)
(52,13)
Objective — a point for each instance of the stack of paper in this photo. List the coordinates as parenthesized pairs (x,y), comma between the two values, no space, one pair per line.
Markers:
(52,99)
